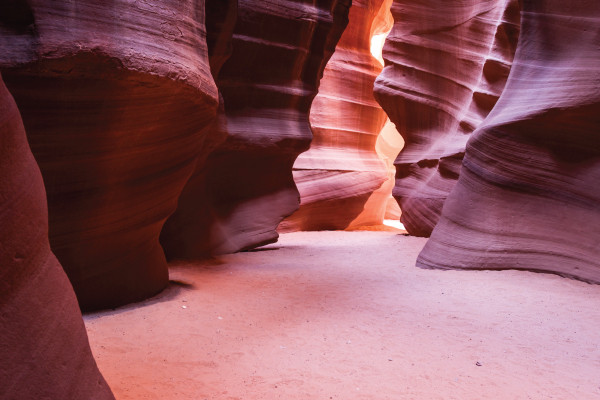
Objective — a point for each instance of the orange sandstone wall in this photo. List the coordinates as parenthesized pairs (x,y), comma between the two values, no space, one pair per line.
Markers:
(381,205)
(341,170)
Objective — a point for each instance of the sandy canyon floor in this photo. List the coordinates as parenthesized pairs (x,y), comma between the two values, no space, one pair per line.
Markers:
(346,315)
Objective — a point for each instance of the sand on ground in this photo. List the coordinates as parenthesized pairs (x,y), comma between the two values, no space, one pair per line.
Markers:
(347,315)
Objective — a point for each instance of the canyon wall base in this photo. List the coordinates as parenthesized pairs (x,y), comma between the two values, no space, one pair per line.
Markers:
(529,192)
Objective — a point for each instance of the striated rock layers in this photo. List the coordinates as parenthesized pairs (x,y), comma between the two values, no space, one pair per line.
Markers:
(114,97)
(529,193)
(245,188)
(446,65)
(381,205)
(43,342)
(187,233)
(339,172)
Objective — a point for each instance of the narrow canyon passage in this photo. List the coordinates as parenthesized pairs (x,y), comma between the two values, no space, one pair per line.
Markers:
(138,134)
(346,315)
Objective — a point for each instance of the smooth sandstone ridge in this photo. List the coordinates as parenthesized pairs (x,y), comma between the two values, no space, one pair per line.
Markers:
(246,187)
(43,342)
(341,170)
(114,97)
(188,232)
(381,205)
(446,65)
(529,193)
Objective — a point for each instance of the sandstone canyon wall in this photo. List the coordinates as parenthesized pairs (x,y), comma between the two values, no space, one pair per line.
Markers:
(341,170)
(43,343)
(114,97)
(127,125)
(446,65)
(245,188)
(381,205)
(188,233)
(529,193)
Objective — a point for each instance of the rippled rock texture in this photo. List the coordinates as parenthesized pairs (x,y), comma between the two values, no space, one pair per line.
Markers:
(529,193)
(381,205)
(114,97)
(188,233)
(43,342)
(446,65)
(245,188)
(341,170)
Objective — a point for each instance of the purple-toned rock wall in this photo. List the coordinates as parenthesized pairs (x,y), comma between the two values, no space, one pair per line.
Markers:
(529,193)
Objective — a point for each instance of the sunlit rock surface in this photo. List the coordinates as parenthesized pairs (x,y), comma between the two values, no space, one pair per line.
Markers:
(341,170)
(114,97)
(246,188)
(381,205)
(529,193)
(44,348)
(446,65)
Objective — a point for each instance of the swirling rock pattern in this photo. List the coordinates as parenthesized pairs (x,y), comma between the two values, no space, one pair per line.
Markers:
(187,233)
(246,187)
(381,205)
(43,342)
(341,170)
(114,97)
(446,65)
(529,193)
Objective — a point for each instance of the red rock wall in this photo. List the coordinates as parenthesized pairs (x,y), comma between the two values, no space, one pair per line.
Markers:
(446,65)
(114,97)
(120,104)
(529,193)
(187,233)
(44,348)
(245,188)
(341,170)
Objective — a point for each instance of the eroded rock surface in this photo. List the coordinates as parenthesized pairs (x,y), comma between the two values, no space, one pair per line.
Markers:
(43,342)
(341,170)
(114,97)
(529,193)
(188,232)
(381,205)
(245,187)
(446,65)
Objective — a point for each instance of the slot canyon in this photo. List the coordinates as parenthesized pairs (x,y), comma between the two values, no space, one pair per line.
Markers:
(299,199)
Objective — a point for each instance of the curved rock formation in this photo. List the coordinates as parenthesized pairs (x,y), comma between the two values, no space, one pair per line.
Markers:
(114,97)
(246,188)
(529,193)
(446,65)
(381,205)
(187,232)
(43,342)
(341,170)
